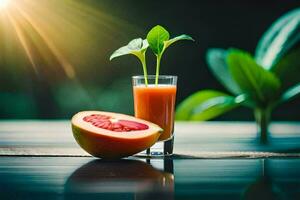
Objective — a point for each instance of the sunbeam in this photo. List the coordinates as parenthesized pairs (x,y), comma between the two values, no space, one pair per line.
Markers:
(63,29)
(57,37)
(23,41)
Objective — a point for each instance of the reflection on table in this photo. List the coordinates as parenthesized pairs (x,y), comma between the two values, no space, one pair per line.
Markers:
(86,178)
(121,179)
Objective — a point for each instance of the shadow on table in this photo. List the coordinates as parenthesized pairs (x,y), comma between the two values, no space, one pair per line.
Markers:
(121,179)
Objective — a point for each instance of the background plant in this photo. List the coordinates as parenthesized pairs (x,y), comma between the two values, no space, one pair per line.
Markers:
(260,82)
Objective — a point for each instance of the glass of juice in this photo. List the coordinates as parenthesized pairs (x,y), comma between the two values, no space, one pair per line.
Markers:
(155,102)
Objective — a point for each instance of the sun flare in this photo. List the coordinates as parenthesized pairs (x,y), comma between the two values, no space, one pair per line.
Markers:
(52,40)
(4,4)
(39,29)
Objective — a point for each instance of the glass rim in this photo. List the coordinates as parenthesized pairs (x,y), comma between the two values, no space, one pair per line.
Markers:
(154,77)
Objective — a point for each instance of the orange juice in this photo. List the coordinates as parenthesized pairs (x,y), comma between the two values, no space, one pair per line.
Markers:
(156,103)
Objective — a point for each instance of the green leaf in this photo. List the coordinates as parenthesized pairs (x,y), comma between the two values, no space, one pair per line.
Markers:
(136,47)
(206,104)
(283,34)
(175,39)
(156,38)
(291,93)
(216,59)
(288,69)
(261,85)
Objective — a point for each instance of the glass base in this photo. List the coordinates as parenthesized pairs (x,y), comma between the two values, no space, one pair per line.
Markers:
(159,149)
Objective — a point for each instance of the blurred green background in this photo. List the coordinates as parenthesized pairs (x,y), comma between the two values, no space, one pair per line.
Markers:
(54,55)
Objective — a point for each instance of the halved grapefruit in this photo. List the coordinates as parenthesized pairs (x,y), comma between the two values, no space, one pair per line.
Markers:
(112,135)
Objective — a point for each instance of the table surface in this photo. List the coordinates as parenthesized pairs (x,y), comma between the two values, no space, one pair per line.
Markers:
(213,160)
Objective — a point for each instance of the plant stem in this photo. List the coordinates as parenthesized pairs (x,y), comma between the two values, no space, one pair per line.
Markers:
(145,72)
(143,61)
(158,58)
(262,116)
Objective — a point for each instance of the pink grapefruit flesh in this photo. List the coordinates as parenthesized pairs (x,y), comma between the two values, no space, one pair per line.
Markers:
(110,123)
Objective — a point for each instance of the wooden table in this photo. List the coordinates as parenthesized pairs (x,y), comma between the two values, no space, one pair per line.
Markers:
(41,160)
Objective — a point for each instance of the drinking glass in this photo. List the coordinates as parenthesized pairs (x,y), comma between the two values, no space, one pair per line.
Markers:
(155,102)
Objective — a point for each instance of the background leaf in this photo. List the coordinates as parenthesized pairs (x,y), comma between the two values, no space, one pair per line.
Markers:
(216,59)
(261,85)
(206,104)
(156,38)
(288,69)
(283,34)
(135,47)
(291,93)
(175,39)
